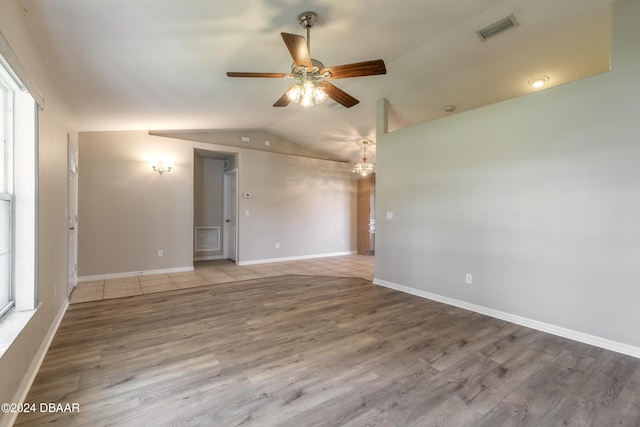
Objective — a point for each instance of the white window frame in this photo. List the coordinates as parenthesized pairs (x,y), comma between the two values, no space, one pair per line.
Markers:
(21,165)
(7,89)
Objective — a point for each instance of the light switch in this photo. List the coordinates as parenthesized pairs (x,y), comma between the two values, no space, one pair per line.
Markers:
(246,213)
(389,215)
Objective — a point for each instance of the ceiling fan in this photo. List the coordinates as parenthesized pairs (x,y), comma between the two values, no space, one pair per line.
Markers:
(312,86)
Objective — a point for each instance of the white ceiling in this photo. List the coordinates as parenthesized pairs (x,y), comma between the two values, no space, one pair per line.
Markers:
(160,64)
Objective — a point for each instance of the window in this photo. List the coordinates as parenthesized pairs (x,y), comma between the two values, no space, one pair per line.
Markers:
(7,88)
(18,161)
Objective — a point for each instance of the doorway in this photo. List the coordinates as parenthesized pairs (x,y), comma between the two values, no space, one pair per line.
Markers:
(215,184)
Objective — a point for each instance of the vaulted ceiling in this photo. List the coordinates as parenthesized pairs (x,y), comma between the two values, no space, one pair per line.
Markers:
(161,64)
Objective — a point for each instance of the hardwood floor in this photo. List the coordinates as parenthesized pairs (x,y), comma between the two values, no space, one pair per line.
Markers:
(320,351)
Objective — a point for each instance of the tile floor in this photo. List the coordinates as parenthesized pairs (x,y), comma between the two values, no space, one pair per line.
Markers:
(221,271)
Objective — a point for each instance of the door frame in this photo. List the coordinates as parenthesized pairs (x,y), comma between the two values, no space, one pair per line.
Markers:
(72,215)
(225,209)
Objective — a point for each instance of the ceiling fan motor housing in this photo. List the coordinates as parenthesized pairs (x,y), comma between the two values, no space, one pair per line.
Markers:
(315,71)
(307,19)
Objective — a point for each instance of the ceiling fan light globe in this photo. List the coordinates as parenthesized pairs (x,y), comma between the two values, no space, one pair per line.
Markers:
(308,89)
(306,102)
(320,95)
(294,93)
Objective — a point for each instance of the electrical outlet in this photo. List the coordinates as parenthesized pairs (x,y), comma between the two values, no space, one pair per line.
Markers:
(277,245)
(469,279)
(160,253)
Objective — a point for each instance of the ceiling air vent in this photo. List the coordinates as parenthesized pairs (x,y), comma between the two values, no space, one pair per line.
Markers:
(497,27)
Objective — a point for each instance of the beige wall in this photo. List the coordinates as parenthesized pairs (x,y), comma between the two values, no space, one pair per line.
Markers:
(127,212)
(537,197)
(306,205)
(55,124)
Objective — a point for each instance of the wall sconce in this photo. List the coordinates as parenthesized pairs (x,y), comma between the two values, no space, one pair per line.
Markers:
(161,167)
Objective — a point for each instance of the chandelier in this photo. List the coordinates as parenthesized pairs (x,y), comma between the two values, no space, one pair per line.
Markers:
(365,167)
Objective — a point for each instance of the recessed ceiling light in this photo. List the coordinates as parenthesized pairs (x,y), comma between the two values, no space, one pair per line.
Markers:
(538,81)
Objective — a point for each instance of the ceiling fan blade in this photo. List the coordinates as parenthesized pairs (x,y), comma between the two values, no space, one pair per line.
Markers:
(284,100)
(298,49)
(262,75)
(339,95)
(359,69)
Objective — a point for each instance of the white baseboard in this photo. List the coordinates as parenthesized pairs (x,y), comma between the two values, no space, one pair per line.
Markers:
(134,274)
(519,320)
(295,258)
(34,367)
(208,258)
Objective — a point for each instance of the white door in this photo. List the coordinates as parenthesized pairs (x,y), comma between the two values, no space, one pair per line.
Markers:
(72,218)
(230,208)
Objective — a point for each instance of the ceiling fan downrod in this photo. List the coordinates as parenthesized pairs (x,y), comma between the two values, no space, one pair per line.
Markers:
(307,20)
